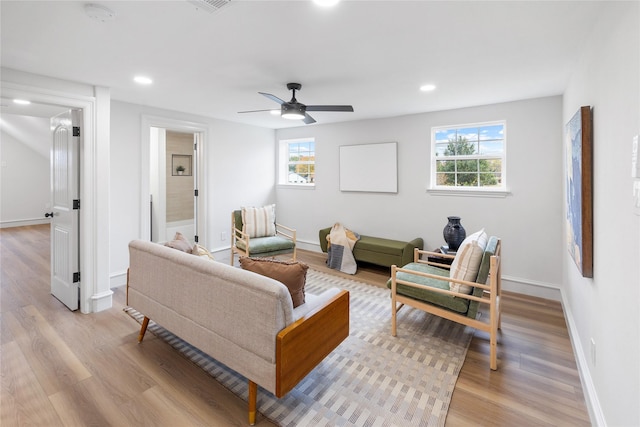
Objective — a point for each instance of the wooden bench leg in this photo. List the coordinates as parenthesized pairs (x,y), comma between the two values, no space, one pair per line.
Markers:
(143,329)
(253,397)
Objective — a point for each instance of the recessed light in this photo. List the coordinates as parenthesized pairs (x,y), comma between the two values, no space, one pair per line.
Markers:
(22,101)
(427,88)
(326,3)
(143,80)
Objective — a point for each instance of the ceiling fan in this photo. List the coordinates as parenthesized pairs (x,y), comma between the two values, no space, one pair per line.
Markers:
(296,110)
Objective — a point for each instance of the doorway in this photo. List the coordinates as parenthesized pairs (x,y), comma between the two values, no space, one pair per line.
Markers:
(95,291)
(173,185)
(173,177)
(41,184)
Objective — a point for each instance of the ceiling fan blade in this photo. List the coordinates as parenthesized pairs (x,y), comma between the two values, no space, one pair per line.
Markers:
(254,111)
(272,97)
(308,119)
(345,108)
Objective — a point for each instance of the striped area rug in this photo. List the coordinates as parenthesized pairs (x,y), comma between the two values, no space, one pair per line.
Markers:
(372,378)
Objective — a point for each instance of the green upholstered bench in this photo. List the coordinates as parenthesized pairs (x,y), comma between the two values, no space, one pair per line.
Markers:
(379,251)
(424,285)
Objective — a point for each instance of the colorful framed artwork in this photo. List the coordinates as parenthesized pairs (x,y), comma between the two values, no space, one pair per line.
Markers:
(579,189)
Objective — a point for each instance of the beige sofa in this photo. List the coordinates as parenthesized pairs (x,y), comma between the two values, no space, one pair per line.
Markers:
(240,318)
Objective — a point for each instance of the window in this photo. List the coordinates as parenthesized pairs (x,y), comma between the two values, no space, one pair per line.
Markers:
(297,162)
(469,157)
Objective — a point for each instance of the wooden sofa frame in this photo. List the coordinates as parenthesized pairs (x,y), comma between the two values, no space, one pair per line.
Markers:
(490,297)
(301,346)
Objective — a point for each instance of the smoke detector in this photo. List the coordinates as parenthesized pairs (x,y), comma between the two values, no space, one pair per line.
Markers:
(99,13)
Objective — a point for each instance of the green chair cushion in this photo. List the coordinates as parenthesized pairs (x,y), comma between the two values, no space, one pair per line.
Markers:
(263,245)
(459,305)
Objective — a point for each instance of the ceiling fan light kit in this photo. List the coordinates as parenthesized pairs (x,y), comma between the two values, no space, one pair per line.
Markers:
(291,112)
(295,110)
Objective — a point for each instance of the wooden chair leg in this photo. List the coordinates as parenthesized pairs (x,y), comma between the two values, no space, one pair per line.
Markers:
(394,315)
(253,397)
(143,329)
(493,341)
(394,308)
(493,352)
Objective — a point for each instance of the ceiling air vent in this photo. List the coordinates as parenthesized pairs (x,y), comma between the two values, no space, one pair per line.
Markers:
(209,5)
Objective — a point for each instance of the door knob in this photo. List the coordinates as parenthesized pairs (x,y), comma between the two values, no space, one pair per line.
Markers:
(48,214)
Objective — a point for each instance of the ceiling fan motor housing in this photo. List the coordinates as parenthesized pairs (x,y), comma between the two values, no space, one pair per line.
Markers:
(293,107)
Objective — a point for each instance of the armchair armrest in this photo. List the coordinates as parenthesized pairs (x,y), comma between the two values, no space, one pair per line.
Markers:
(417,257)
(287,232)
(237,234)
(471,297)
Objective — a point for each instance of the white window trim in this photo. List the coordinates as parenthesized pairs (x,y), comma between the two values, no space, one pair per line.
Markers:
(283,165)
(459,191)
(445,190)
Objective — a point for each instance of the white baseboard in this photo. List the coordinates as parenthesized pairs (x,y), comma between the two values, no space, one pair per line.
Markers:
(531,287)
(101,301)
(117,279)
(24,222)
(588,387)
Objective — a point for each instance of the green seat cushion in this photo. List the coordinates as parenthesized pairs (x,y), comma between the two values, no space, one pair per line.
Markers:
(377,244)
(459,305)
(263,245)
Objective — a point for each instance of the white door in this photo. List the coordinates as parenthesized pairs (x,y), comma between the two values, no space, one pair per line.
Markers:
(65,224)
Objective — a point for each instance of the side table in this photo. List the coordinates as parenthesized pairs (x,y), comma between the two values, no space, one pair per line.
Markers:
(441,260)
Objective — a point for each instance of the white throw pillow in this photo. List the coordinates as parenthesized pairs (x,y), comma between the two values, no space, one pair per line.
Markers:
(466,264)
(201,251)
(259,222)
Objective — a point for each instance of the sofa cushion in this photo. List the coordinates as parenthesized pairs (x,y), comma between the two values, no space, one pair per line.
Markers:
(259,222)
(180,243)
(450,302)
(466,264)
(292,274)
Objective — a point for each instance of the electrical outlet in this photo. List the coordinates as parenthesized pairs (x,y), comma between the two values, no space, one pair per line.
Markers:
(223,236)
(593,351)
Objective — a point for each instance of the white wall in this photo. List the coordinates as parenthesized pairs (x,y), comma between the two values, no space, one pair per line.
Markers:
(24,170)
(239,170)
(605,308)
(529,220)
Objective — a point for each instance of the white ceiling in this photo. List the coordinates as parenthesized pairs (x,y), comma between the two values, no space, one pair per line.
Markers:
(373,55)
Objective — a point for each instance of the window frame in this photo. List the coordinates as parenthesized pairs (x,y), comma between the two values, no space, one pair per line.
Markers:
(283,164)
(497,191)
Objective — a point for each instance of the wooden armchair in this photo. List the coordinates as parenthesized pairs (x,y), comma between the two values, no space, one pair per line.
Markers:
(425,285)
(282,242)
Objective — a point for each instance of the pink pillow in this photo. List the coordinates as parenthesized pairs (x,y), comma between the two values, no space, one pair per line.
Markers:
(180,243)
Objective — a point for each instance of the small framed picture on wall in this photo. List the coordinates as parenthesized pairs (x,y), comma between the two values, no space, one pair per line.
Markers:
(181,165)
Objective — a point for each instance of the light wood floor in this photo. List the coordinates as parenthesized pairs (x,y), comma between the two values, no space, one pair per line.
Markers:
(62,368)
